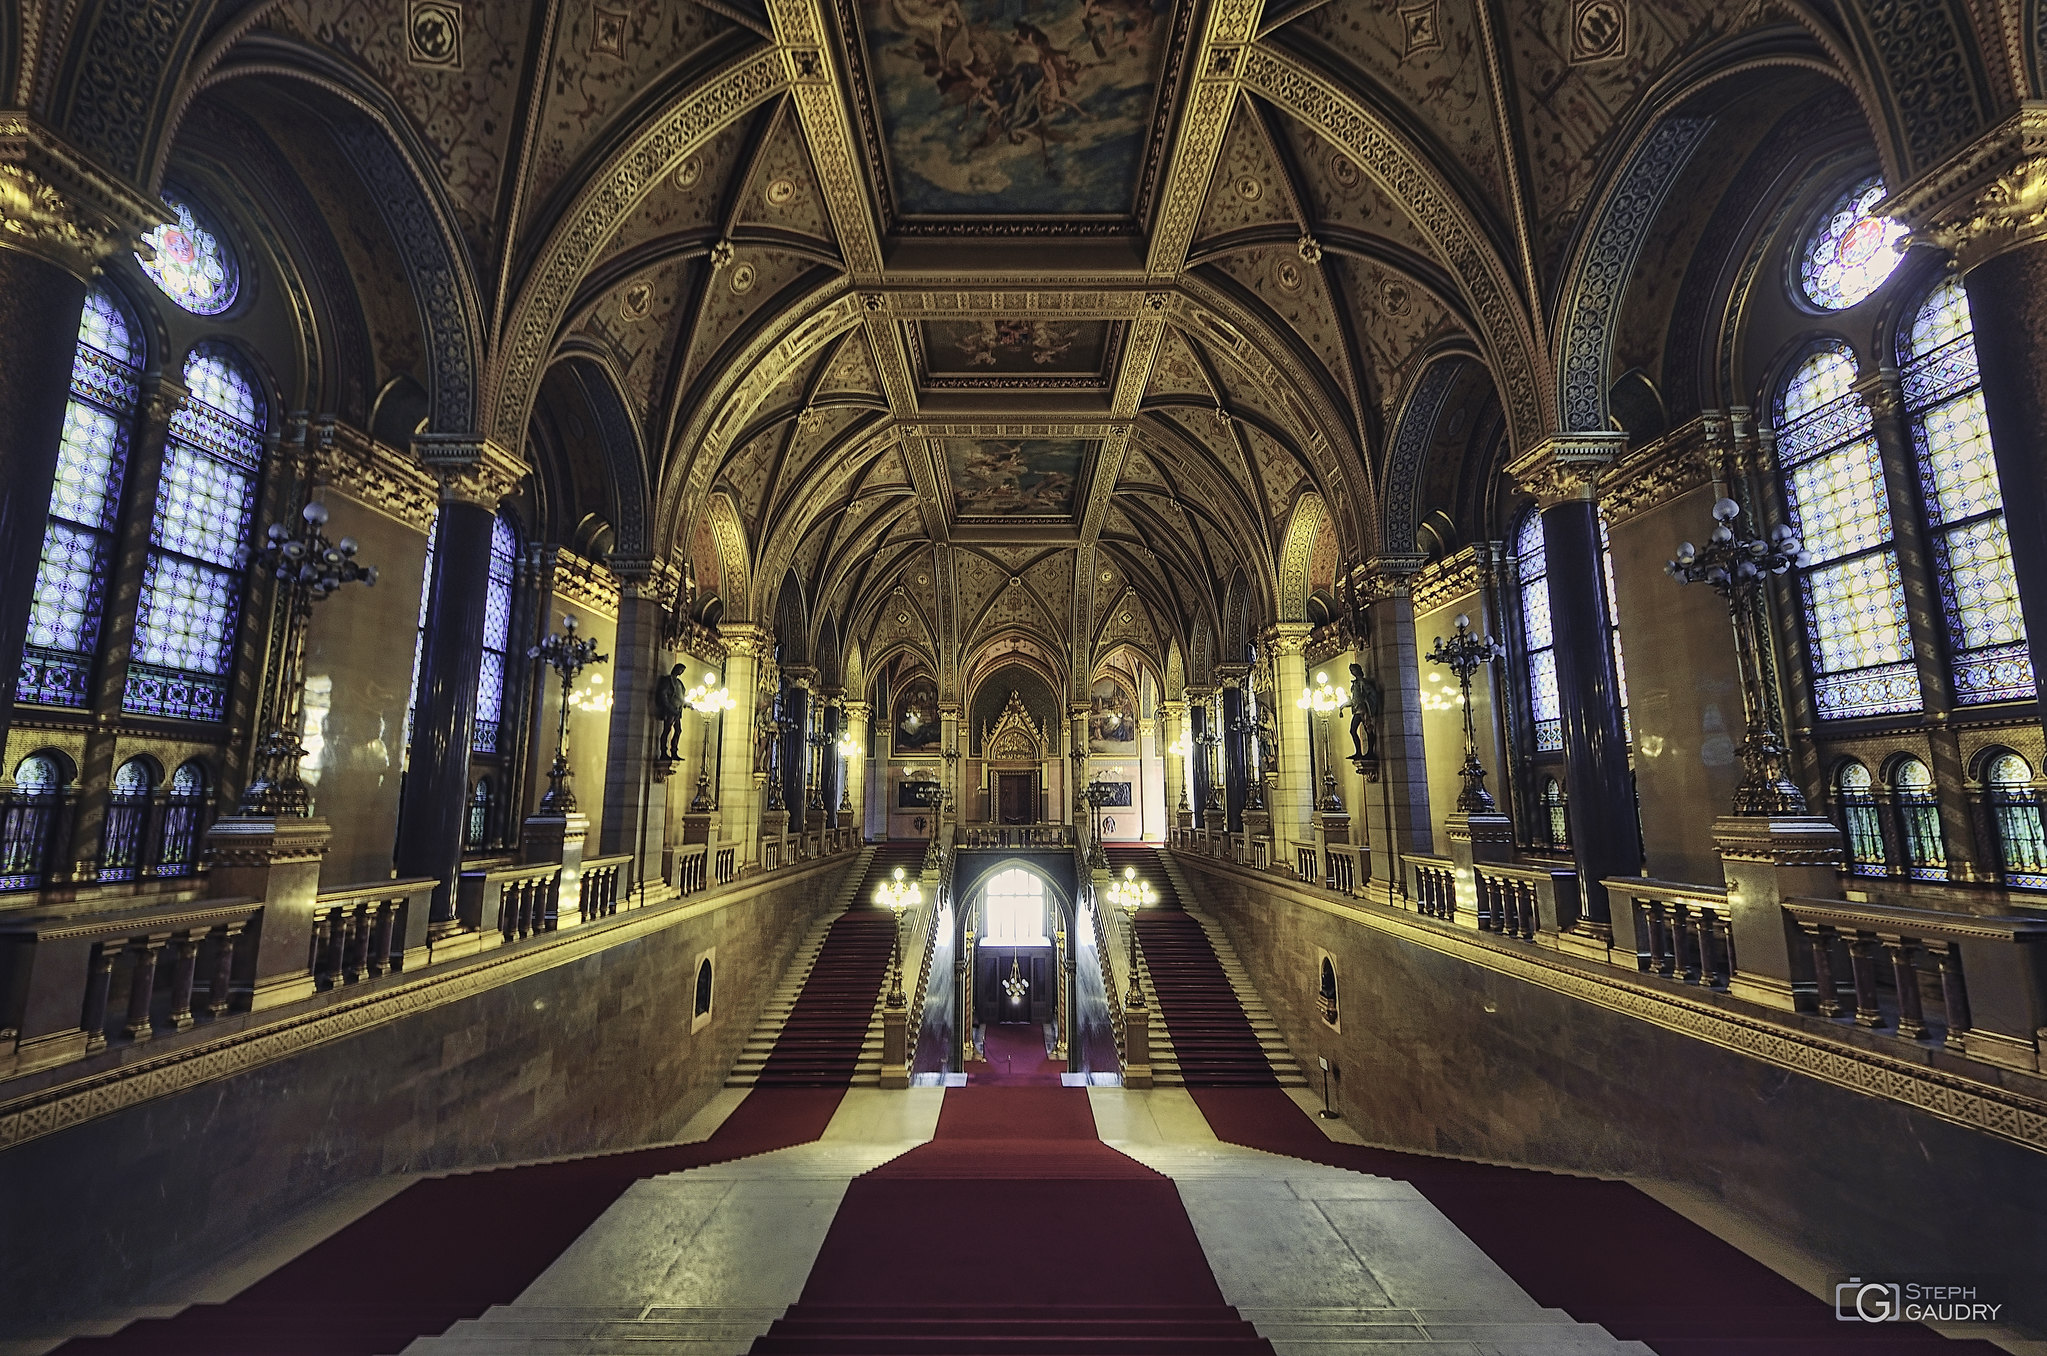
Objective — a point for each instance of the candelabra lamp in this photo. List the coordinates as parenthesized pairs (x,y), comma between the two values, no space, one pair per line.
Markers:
(1131,894)
(849,753)
(1735,566)
(773,729)
(1464,654)
(308,568)
(1211,758)
(1323,699)
(1245,727)
(1097,797)
(568,655)
(707,701)
(1180,748)
(896,894)
(1016,987)
(818,741)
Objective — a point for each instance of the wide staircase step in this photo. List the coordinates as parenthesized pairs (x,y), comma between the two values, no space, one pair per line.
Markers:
(1217,1030)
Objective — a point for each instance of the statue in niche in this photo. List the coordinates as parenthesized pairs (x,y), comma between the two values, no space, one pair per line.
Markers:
(1366,700)
(668,705)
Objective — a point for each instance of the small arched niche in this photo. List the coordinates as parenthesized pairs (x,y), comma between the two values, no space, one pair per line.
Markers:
(702,1005)
(1327,1003)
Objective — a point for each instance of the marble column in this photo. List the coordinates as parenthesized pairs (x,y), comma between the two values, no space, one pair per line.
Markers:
(738,799)
(1605,836)
(475,474)
(1151,787)
(795,768)
(1197,734)
(1174,714)
(1293,807)
(1236,760)
(1401,808)
(635,795)
(49,249)
(856,714)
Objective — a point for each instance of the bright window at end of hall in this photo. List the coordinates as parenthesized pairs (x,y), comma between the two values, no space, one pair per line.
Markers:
(1851,250)
(1016,909)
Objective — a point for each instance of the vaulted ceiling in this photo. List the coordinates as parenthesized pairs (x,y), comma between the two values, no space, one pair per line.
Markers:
(1026,327)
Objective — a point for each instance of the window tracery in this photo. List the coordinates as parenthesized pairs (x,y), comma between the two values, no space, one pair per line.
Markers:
(1855,793)
(188,260)
(69,597)
(2015,816)
(191,592)
(497,629)
(1853,595)
(1850,251)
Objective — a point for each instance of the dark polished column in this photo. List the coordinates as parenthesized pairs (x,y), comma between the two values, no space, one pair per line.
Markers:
(1236,762)
(795,768)
(474,477)
(829,774)
(1606,836)
(635,667)
(40,301)
(1197,717)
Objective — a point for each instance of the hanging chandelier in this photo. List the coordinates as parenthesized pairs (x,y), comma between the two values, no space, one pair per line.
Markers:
(1016,986)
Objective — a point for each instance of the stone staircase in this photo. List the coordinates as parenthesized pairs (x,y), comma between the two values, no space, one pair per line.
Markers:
(543,1330)
(767,1029)
(1165,1060)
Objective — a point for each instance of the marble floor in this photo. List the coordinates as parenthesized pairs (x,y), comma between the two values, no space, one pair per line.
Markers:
(1321,1260)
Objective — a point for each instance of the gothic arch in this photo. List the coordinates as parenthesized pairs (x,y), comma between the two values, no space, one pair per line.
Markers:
(1295,553)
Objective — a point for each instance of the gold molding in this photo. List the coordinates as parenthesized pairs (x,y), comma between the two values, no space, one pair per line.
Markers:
(586,584)
(79,1100)
(814,75)
(58,206)
(2009,213)
(1960,1101)
(376,475)
(1566,466)
(1469,571)
(1973,203)
(470,469)
(1654,474)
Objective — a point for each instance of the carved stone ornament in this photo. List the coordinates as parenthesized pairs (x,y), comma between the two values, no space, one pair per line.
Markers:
(36,219)
(1287,637)
(1014,737)
(2011,211)
(1566,467)
(376,474)
(471,470)
(585,584)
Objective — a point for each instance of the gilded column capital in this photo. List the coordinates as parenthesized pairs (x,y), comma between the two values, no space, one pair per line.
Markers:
(376,473)
(1286,637)
(1985,200)
(857,710)
(471,469)
(1879,393)
(746,639)
(59,207)
(1386,576)
(1567,466)
(1174,708)
(160,399)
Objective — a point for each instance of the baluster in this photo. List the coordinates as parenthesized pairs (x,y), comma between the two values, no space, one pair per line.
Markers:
(355,944)
(337,942)
(223,969)
(1954,992)
(1709,947)
(181,979)
(1820,938)
(1661,958)
(142,986)
(317,963)
(99,976)
(1684,941)
(1911,1015)
(1862,954)
(380,947)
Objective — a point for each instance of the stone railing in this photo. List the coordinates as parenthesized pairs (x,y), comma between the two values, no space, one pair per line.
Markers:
(1996,1017)
(724,865)
(1018,836)
(1432,885)
(692,868)
(1345,867)
(60,971)
(1685,927)
(360,931)
(1532,902)
(605,880)
(503,904)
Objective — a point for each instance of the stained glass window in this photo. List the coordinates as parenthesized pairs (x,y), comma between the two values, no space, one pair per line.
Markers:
(426,594)
(1851,251)
(190,262)
(497,628)
(1556,816)
(191,584)
(1545,703)
(1613,630)
(1979,593)
(1918,820)
(1856,795)
(1853,595)
(64,614)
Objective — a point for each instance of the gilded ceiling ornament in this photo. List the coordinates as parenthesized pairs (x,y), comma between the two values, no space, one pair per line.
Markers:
(1310,249)
(608,28)
(1395,300)
(36,219)
(781,192)
(1599,30)
(742,278)
(1343,171)
(636,301)
(688,172)
(433,33)
(1249,189)
(1420,30)
(2008,212)
(1287,273)
(721,254)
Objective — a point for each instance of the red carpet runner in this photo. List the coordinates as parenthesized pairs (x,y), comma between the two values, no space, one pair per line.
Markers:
(1016,1058)
(820,1044)
(1215,1045)
(991,1239)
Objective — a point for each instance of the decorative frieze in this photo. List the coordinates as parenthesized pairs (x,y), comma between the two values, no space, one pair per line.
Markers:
(1654,474)
(470,469)
(376,474)
(584,583)
(1567,466)
(1469,571)
(1987,198)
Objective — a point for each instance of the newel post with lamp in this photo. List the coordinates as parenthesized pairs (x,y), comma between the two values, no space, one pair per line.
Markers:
(556,830)
(1131,894)
(270,848)
(896,894)
(710,699)
(1772,847)
(1478,832)
(1331,821)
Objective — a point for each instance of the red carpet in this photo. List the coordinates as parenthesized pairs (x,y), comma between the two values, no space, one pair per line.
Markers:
(1215,1044)
(446,1249)
(1601,1251)
(1016,1058)
(1024,1234)
(820,1043)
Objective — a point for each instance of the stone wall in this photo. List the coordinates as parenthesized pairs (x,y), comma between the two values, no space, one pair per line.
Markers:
(592,1054)
(1442,1055)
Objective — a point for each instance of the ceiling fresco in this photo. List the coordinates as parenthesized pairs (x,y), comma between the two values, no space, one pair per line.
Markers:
(1011,353)
(1031,477)
(1014,108)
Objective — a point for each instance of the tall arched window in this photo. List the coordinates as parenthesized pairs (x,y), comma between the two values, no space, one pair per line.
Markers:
(183,811)
(1556,818)
(1964,503)
(426,593)
(1918,809)
(497,630)
(1532,569)
(1855,793)
(1531,563)
(191,585)
(64,617)
(1016,908)
(1855,616)
(127,817)
(2015,815)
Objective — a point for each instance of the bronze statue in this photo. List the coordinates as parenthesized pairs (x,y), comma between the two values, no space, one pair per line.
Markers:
(1366,699)
(668,705)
